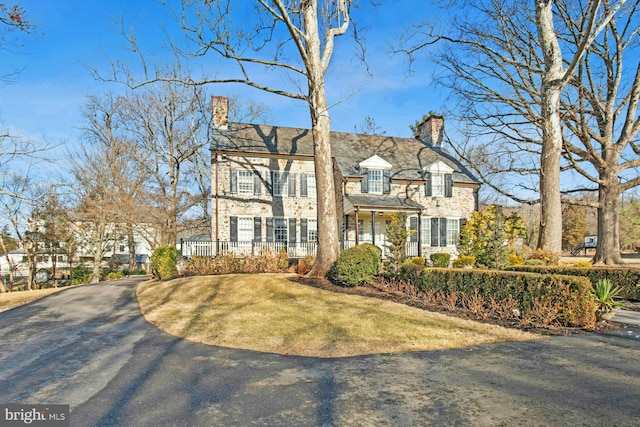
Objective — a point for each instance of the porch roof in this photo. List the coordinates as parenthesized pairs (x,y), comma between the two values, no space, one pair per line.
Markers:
(383,204)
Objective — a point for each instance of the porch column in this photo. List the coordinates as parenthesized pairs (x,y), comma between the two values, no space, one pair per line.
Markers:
(357,228)
(373,227)
(419,231)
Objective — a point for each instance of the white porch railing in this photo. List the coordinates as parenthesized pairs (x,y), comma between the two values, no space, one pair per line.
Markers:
(191,248)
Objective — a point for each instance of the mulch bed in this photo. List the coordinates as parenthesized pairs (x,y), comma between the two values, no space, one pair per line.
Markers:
(390,295)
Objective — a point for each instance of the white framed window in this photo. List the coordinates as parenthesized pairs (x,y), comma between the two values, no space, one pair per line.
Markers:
(453,231)
(311,185)
(426,231)
(312,230)
(245,229)
(375,181)
(245,182)
(437,185)
(280,183)
(280,230)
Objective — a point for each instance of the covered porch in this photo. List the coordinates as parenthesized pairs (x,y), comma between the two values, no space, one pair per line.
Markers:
(366,219)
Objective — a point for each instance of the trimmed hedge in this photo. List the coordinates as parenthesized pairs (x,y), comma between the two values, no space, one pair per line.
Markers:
(570,294)
(627,279)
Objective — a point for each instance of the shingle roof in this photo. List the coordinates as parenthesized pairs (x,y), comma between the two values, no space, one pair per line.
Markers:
(375,202)
(407,155)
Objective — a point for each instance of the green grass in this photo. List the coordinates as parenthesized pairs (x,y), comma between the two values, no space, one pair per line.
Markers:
(271,313)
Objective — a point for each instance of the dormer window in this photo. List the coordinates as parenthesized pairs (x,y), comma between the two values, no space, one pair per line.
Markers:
(439,178)
(376,175)
(437,185)
(375,181)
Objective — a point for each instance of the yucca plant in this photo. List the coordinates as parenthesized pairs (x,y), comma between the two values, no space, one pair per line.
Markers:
(606,296)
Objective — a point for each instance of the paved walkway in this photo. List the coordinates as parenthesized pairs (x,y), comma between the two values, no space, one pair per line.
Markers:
(90,348)
(627,317)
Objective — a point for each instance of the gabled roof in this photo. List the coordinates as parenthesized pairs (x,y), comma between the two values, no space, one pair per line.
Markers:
(407,156)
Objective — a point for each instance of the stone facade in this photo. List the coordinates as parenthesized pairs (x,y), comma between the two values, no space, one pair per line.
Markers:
(264,188)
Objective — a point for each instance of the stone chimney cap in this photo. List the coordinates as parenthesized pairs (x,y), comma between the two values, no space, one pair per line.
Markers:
(431,130)
(220,112)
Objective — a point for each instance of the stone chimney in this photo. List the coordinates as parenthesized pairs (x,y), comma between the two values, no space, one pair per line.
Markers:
(431,130)
(220,112)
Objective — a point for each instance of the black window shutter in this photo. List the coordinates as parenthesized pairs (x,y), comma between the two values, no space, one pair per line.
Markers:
(427,185)
(292,184)
(233,179)
(257,229)
(413,226)
(364,184)
(448,185)
(387,182)
(233,228)
(303,184)
(443,231)
(303,230)
(257,184)
(269,229)
(463,222)
(272,182)
(292,231)
(435,232)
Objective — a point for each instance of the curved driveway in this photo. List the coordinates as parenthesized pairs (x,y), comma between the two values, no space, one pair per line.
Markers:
(90,348)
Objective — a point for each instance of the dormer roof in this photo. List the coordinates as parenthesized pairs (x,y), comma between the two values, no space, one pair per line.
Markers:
(375,162)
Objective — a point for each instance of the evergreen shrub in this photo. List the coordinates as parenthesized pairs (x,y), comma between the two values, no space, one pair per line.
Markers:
(164,261)
(570,295)
(440,260)
(627,279)
(357,265)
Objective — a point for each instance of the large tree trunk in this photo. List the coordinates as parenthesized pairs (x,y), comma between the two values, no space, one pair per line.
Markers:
(328,245)
(132,247)
(608,246)
(550,202)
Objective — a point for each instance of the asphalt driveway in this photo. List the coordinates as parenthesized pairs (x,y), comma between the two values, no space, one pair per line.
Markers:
(90,348)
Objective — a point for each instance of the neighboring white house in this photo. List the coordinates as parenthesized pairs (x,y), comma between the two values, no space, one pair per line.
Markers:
(116,247)
(264,189)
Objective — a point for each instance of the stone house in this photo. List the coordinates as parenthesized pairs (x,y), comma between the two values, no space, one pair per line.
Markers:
(264,189)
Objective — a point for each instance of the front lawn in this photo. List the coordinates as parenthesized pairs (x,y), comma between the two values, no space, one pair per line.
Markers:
(13,299)
(271,313)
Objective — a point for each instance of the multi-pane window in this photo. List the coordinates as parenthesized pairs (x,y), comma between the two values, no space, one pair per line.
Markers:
(375,181)
(312,230)
(280,230)
(245,229)
(245,182)
(280,183)
(426,231)
(437,185)
(311,185)
(453,231)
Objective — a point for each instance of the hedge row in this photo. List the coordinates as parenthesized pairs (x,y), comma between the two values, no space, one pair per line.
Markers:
(627,279)
(570,294)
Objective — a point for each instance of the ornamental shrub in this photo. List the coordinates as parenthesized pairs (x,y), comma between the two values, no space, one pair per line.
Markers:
(463,260)
(164,262)
(357,265)
(80,275)
(440,259)
(547,256)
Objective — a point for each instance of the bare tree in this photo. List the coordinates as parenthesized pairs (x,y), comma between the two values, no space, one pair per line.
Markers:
(294,38)
(601,111)
(168,126)
(105,129)
(16,213)
(516,69)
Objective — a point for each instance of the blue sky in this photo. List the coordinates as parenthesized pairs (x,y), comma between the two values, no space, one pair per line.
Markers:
(45,100)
